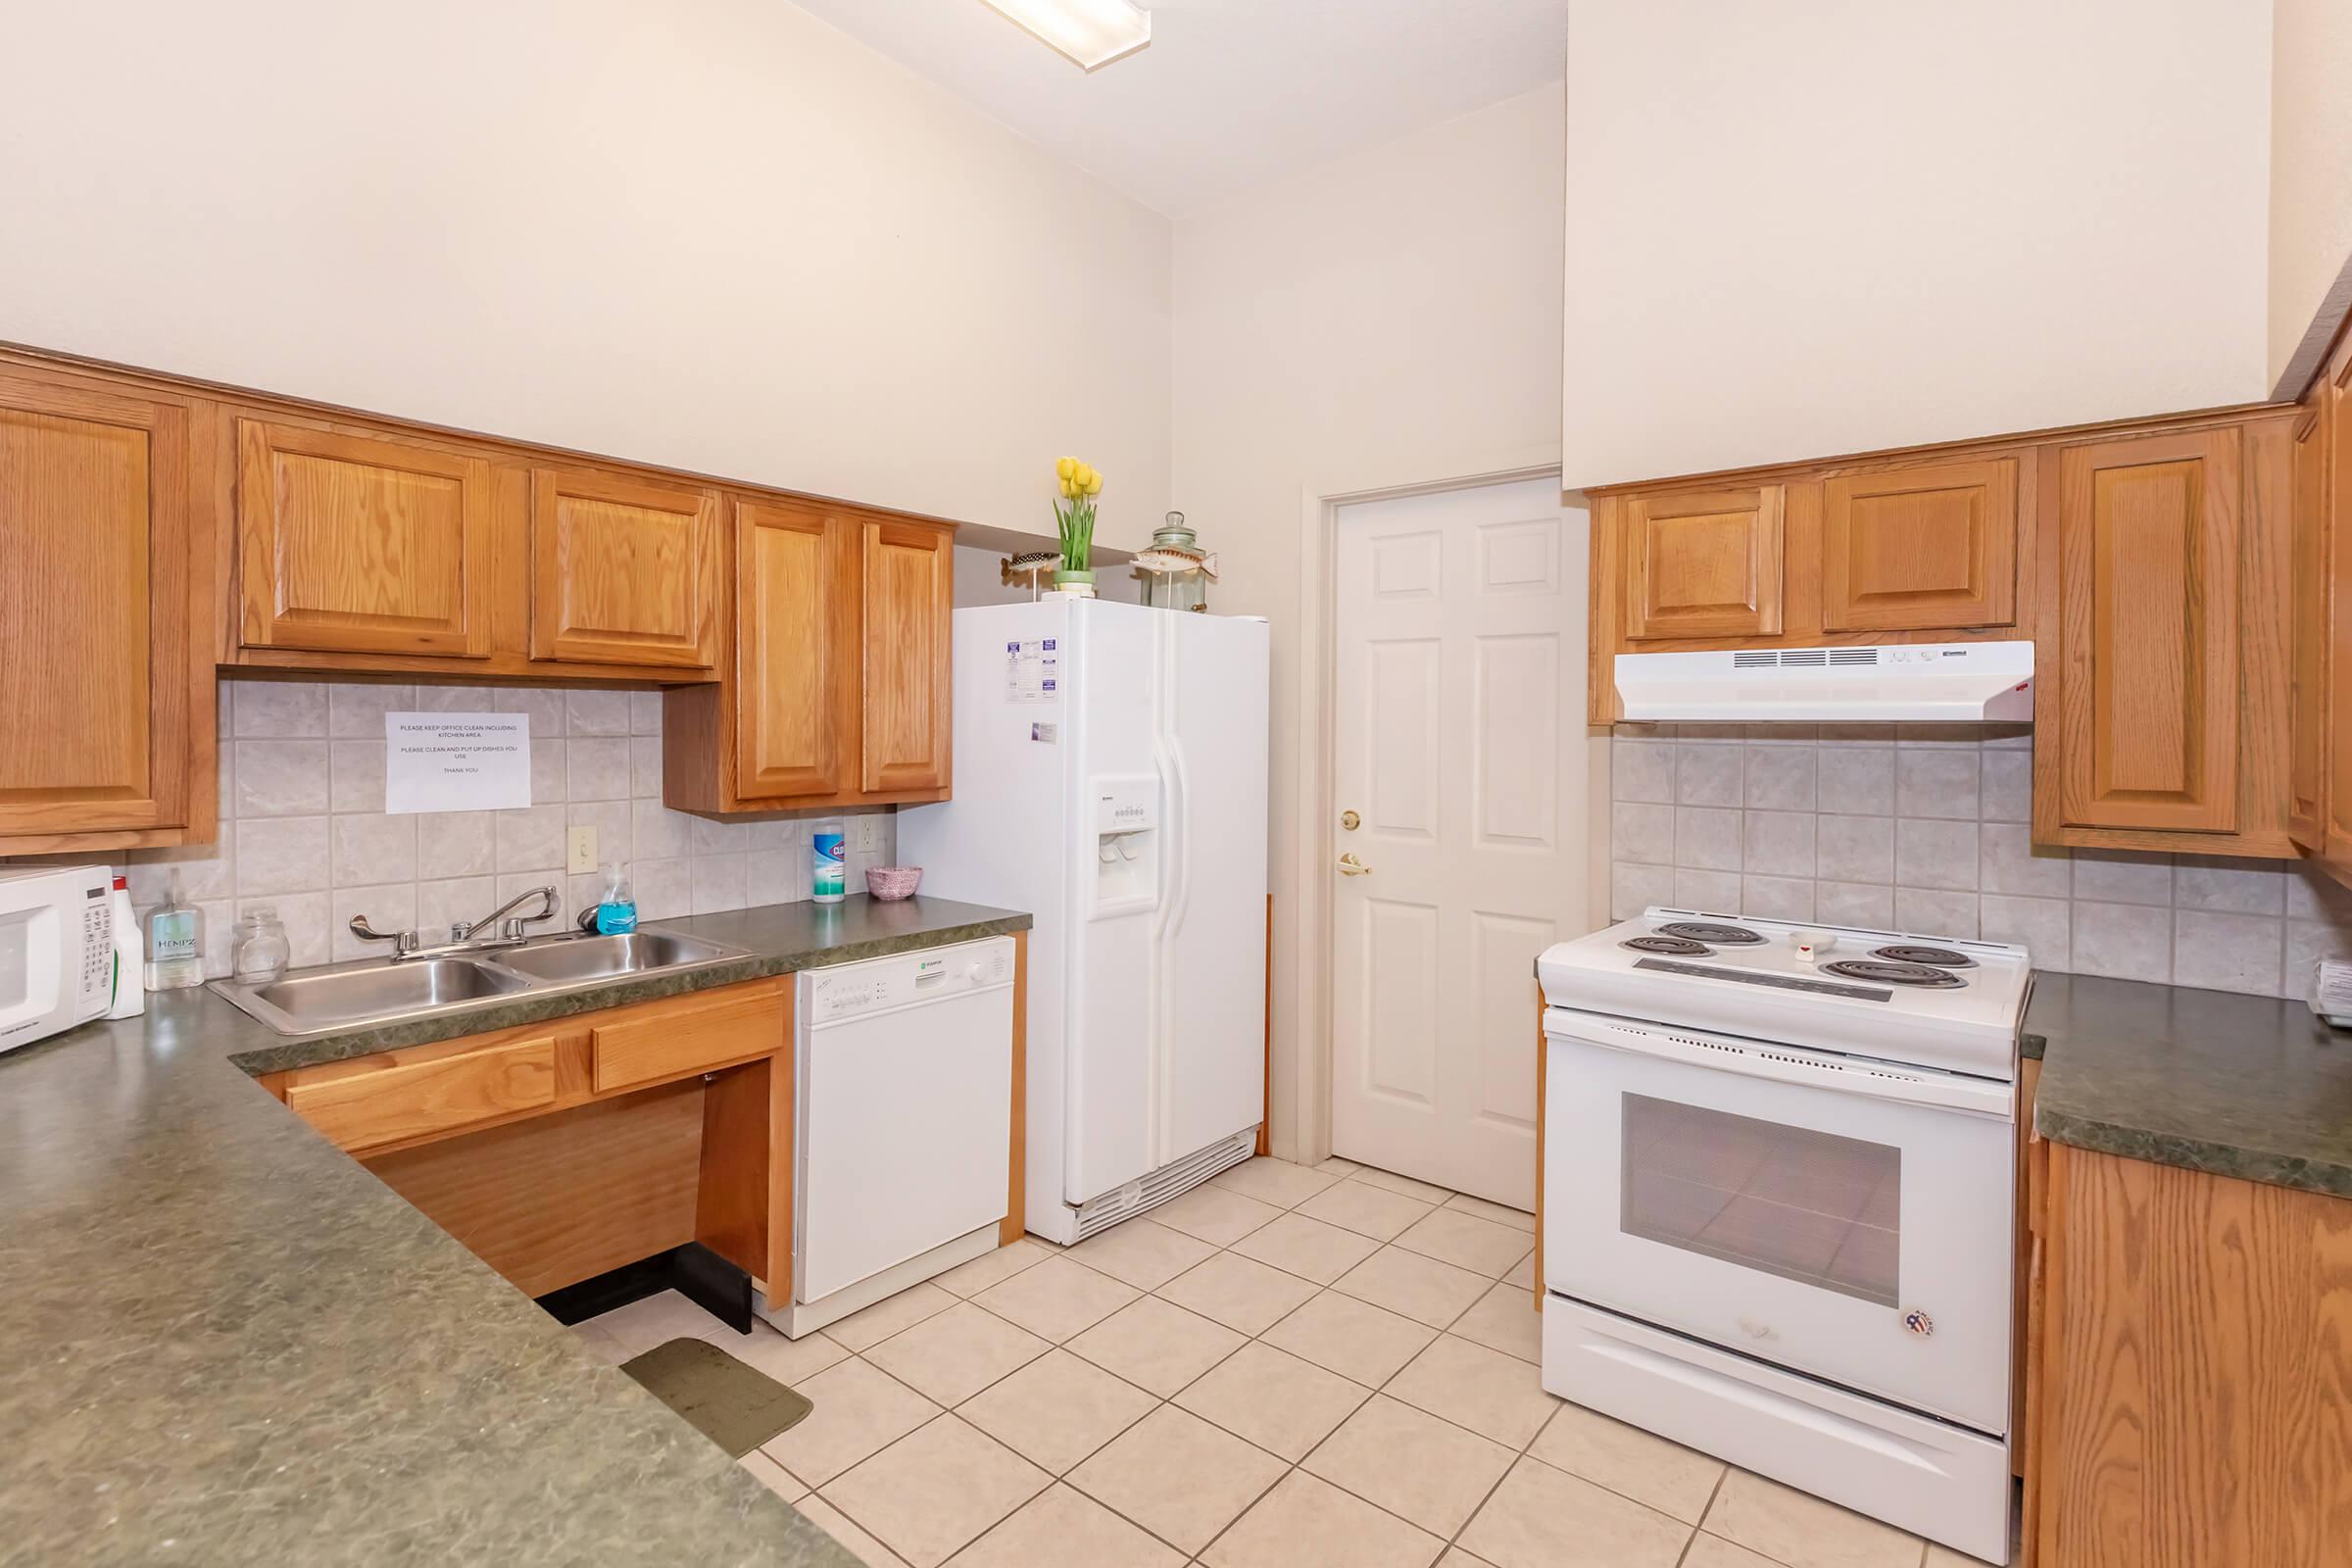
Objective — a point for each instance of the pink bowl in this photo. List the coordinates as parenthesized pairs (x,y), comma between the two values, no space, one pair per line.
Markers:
(893,881)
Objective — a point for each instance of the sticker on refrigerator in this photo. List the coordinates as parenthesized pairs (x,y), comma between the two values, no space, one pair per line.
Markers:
(1049,733)
(1033,670)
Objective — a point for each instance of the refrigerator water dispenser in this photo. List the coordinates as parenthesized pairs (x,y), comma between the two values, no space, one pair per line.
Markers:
(1126,843)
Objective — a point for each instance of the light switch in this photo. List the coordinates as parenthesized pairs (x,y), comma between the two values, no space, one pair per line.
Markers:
(579,849)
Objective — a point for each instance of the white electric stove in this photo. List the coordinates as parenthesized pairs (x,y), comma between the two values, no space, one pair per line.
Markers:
(1778,1206)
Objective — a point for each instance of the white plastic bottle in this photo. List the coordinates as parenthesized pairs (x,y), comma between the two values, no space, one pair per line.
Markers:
(829,861)
(130,990)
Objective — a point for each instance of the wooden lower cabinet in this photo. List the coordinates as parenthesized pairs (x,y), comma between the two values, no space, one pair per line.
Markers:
(2331,406)
(2189,1370)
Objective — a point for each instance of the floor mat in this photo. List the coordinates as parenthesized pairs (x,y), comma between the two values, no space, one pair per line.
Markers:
(736,1406)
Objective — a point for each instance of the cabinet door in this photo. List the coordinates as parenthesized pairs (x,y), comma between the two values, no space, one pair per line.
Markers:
(623,571)
(94,593)
(909,596)
(1703,564)
(2335,413)
(2311,535)
(796,673)
(1920,549)
(2148,533)
(349,545)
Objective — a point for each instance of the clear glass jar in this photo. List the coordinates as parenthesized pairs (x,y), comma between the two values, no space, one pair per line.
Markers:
(258,948)
(1183,590)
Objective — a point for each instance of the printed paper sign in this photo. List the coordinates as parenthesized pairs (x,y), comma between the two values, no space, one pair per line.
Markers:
(1033,670)
(457,762)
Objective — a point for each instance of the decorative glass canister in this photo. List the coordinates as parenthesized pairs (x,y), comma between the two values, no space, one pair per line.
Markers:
(1179,590)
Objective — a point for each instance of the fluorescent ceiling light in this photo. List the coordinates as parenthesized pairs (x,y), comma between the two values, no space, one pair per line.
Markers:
(1092,32)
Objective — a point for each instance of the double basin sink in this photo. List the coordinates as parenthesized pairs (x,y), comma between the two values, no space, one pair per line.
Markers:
(377,991)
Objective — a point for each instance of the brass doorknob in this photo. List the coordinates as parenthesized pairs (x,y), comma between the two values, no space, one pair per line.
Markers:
(1351,821)
(1349,865)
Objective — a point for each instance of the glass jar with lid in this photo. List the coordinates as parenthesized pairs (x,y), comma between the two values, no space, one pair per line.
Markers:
(258,948)
(1181,590)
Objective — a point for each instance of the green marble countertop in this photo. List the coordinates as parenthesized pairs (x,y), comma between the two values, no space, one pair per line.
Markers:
(226,1342)
(2251,1086)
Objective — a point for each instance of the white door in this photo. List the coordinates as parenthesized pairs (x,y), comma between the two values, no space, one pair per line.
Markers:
(1460,747)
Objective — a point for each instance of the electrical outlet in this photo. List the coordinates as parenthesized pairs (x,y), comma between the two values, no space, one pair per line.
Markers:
(579,849)
(869,831)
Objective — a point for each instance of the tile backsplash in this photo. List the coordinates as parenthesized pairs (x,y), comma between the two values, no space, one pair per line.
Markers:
(1923,827)
(303,825)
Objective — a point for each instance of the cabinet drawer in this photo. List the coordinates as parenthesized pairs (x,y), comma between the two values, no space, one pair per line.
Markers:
(695,1036)
(400,1100)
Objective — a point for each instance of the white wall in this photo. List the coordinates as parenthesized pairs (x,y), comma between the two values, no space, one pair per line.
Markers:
(1805,231)
(2310,185)
(713,233)
(1388,319)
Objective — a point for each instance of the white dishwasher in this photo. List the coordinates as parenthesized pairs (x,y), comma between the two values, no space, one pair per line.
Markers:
(902,1114)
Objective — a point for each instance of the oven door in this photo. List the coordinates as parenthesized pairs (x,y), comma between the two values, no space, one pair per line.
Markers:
(1842,1217)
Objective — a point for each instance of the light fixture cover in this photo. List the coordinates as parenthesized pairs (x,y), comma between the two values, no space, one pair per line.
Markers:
(1092,32)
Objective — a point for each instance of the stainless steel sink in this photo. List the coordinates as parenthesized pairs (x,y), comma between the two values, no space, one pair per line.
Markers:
(609,957)
(375,990)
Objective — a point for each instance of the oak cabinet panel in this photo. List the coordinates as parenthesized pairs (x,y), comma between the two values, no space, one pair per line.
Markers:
(1920,549)
(107,699)
(908,604)
(2148,540)
(2333,403)
(2310,552)
(399,1102)
(1702,563)
(623,571)
(353,545)
(795,677)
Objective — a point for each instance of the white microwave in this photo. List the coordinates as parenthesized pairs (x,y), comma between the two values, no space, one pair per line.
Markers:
(57,949)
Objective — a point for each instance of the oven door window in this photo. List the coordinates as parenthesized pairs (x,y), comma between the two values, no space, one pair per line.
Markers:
(1803,1204)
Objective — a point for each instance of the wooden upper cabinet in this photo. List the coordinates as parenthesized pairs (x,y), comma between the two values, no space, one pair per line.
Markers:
(1920,549)
(907,601)
(1702,563)
(354,545)
(97,547)
(624,571)
(2333,405)
(795,674)
(2148,635)
(2311,535)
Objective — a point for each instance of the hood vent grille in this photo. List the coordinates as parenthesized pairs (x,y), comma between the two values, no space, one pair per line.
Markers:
(1803,658)
(1924,682)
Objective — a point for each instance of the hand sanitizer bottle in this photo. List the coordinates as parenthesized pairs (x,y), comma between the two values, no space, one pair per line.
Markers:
(174,936)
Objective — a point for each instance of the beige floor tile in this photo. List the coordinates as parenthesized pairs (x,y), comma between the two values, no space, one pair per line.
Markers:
(1273,1181)
(1799,1529)
(788,1361)
(1064,1529)
(1504,1319)
(606,1348)
(1426,1191)
(865,1547)
(1274,1400)
(1142,1253)
(1352,1338)
(1638,1464)
(1713,1552)
(1217,1215)
(1157,1344)
(1411,1463)
(994,1268)
(1524,1276)
(857,1410)
(1938,1557)
(1467,1241)
(1497,1396)
(1306,1523)
(1421,1288)
(1178,1475)
(935,1490)
(1456,1557)
(953,1355)
(1336,1166)
(888,1316)
(1368,1210)
(1058,1410)
(1307,1247)
(655,1320)
(1502,1214)
(773,1475)
(1546,1518)
(1057,1299)
(1237,1292)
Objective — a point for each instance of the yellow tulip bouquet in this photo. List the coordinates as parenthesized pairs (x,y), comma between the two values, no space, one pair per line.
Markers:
(1074,517)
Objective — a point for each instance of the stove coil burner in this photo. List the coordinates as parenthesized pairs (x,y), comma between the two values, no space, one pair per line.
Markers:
(1680,946)
(1913,952)
(1722,936)
(1895,974)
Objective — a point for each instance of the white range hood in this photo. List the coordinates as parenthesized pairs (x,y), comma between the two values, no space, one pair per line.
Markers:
(1921,682)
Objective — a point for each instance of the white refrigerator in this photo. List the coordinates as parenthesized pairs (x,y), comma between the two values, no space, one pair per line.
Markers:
(1110,780)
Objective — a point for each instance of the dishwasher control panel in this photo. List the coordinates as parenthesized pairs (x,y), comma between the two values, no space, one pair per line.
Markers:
(852,989)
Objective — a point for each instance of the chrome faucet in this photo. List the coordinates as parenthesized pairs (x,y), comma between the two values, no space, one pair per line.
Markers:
(462,937)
